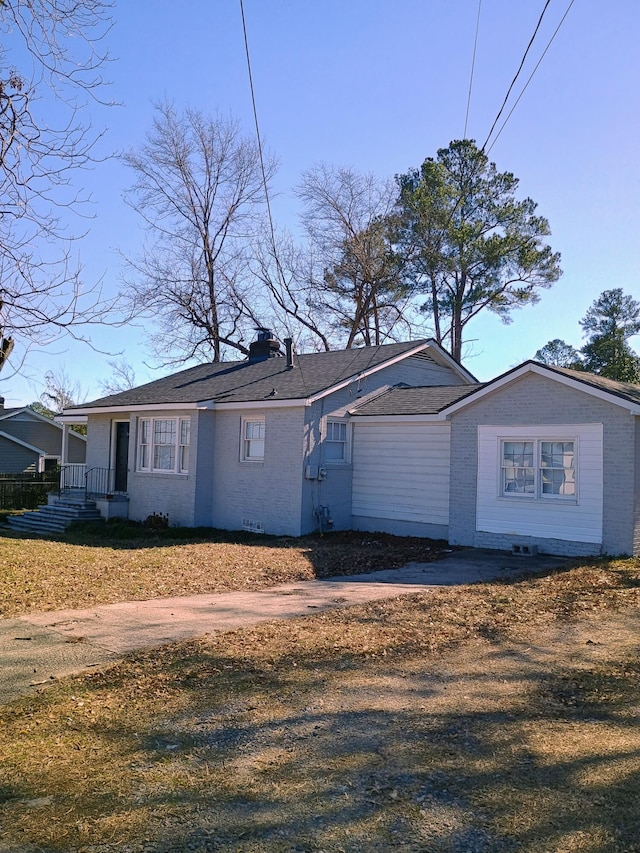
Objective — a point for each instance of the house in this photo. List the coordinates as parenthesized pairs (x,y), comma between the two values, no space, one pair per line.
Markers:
(32,443)
(264,444)
(397,438)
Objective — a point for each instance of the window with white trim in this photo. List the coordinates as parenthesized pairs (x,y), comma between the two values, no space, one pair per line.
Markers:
(252,442)
(185,440)
(537,468)
(163,445)
(335,445)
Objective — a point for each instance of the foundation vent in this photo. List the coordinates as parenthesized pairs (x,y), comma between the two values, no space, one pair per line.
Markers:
(524,550)
(252,526)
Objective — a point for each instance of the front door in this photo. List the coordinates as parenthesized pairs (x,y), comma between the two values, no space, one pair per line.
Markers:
(121,462)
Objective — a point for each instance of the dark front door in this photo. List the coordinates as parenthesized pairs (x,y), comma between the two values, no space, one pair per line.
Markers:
(122,456)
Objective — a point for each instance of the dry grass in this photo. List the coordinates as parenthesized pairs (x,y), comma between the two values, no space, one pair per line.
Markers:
(83,570)
(498,717)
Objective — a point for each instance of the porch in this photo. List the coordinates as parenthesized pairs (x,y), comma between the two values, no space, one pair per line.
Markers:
(96,486)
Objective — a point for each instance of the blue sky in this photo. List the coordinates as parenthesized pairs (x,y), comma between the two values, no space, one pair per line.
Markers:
(380,85)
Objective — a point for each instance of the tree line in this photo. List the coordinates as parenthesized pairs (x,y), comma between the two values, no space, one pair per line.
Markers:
(378,260)
(612,319)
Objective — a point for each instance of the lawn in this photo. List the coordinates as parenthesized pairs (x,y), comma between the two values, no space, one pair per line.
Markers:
(124,562)
(496,717)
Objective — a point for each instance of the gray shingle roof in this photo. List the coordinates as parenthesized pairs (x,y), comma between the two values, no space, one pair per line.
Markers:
(419,400)
(242,381)
(626,390)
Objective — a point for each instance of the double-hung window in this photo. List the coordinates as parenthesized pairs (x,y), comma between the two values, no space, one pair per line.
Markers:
(252,441)
(335,447)
(163,445)
(539,468)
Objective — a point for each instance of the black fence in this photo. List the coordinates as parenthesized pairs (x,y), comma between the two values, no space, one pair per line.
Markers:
(27,491)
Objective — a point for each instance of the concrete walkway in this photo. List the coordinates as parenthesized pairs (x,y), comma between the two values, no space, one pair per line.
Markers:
(39,648)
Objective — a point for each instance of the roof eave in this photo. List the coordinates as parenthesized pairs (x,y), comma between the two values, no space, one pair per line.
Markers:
(406,418)
(356,377)
(69,414)
(541,370)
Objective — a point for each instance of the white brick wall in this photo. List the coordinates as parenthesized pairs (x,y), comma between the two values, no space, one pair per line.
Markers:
(269,491)
(533,400)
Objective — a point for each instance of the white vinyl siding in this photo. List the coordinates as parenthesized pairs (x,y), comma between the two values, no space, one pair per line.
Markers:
(538,513)
(401,472)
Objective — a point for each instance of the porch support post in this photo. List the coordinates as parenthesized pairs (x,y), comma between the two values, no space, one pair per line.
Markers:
(64,453)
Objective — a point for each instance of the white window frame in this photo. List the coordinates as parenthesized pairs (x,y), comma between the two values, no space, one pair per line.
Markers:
(42,462)
(248,444)
(184,444)
(181,429)
(330,426)
(537,492)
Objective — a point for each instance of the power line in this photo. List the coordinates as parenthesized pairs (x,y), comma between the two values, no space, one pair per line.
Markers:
(255,118)
(513,82)
(272,232)
(530,76)
(473,65)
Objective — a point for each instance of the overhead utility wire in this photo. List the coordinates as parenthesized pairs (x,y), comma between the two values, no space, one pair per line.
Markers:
(264,173)
(530,76)
(473,65)
(513,82)
(255,118)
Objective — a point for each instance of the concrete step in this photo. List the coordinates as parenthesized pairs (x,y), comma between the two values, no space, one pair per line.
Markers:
(54,518)
(27,523)
(73,503)
(69,512)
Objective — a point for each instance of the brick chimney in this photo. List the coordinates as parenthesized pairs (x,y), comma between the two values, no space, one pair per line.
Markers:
(265,347)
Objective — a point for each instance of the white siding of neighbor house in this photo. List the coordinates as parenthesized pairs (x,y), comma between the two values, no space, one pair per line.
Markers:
(401,477)
(548,518)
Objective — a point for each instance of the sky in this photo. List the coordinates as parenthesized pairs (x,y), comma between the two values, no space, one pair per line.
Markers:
(379,85)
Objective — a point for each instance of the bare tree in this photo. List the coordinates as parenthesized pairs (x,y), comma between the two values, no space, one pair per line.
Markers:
(354,278)
(122,378)
(285,271)
(199,189)
(61,391)
(50,64)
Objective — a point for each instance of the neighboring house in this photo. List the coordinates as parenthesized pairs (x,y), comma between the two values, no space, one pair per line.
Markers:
(33,443)
(396,438)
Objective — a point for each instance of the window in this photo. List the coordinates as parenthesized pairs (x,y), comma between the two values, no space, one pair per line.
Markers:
(252,440)
(335,442)
(143,445)
(518,475)
(539,469)
(163,444)
(185,439)
(557,468)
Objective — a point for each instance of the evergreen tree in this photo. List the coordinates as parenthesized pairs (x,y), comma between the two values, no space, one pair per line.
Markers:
(611,320)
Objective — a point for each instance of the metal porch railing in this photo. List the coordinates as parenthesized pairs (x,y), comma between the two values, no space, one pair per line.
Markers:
(72,478)
(101,483)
